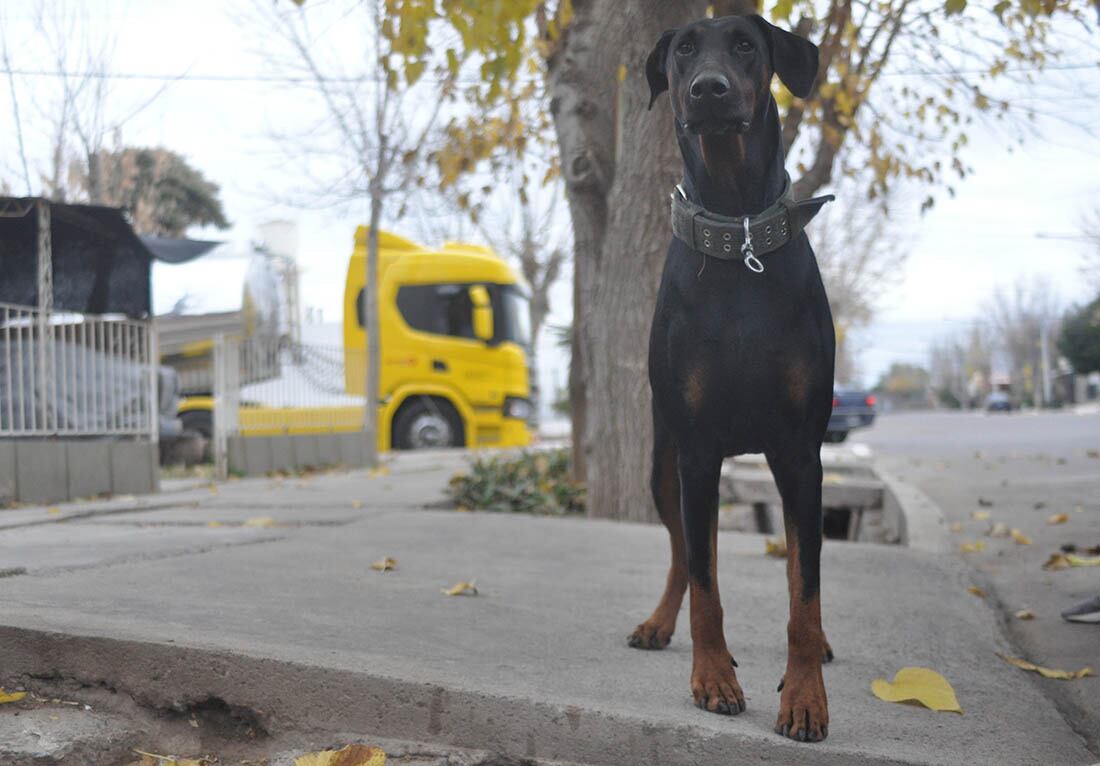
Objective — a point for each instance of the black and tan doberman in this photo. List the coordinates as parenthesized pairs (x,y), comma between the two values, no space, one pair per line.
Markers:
(741,350)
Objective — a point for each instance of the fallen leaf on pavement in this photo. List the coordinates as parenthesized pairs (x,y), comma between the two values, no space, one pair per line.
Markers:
(352,755)
(777,549)
(976,591)
(382,470)
(1062,675)
(921,685)
(260,522)
(1067,560)
(956,527)
(1058,518)
(1020,537)
(1093,550)
(384,565)
(152,759)
(6,697)
(976,547)
(1025,614)
(1093,453)
(985,503)
(980,515)
(1039,505)
(1078,509)
(214,524)
(461,589)
(998,530)
(356,504)
(53,510)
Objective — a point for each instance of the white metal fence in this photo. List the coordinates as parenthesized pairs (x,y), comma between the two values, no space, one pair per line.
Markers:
(69,374)
(273,387)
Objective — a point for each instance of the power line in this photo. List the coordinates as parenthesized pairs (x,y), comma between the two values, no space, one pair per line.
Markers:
(363,78)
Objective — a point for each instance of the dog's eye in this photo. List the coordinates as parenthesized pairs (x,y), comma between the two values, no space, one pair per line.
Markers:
(686,49)
(745,46)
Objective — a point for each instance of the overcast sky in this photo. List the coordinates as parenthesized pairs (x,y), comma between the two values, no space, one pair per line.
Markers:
(986,236)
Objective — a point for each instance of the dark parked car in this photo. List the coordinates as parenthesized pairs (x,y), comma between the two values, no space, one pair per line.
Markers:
(852,408)
(998,401)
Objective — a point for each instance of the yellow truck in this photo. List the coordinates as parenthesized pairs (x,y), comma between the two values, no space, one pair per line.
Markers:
(455,340)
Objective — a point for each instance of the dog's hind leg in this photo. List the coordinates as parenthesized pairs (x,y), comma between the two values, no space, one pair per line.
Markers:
(713,681)
(656,632)
(803,707)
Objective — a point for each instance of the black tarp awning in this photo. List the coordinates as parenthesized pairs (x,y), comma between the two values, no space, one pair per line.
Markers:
(100,266)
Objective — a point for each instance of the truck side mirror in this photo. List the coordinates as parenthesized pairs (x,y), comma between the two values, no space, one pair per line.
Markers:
(483,312)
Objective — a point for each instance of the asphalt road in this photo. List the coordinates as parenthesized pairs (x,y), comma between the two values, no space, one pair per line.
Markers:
(1021,469)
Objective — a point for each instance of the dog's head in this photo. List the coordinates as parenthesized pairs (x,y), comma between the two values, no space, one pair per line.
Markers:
(718,71)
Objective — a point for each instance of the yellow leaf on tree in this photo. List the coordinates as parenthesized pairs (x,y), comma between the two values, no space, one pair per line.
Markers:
(384,565)
(920,685)
(1058,518)
(775,548)
(973,547)
(461,589)
(352,755)
(1020,537)
(1062,675)
(6,697)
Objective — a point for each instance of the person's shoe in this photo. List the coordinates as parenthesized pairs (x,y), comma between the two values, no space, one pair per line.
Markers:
(1086,611)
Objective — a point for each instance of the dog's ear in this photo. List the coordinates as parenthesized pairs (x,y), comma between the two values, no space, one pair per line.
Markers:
(655,66)
(794,58)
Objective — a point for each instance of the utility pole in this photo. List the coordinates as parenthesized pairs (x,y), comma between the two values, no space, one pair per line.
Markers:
(1044,360)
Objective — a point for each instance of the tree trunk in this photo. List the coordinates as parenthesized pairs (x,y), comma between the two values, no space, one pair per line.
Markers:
(619,163)
(374,356)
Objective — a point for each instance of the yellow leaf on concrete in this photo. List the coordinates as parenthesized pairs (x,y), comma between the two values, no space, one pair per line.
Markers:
(382,470)
(1063,675)
(260,522)
(384,565)
(920,685)
(152,759)
(998,530)
(777,548)
(356,504)
(53,510)
(976,591)
(1058,518)
(214,524)
(976,547)
(352,755)
(980,515)
(1020,537)
(1025,614)
(6,697)
(1057,561)
(956,527)
(461,589)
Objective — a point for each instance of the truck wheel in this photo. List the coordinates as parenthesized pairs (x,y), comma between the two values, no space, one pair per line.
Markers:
(201,422)
(427,422)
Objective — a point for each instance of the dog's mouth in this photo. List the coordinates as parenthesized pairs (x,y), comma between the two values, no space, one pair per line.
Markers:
(710,126)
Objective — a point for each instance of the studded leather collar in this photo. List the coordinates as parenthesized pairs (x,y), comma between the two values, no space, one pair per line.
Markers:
(731,238)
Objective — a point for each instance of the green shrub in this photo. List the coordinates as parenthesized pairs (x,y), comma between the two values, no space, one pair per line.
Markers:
(534,482)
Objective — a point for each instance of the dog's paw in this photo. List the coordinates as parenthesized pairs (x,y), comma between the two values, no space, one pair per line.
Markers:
(803,707)
(649,636)
(714,684)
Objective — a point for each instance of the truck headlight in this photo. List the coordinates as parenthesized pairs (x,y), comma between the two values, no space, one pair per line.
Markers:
(515,407)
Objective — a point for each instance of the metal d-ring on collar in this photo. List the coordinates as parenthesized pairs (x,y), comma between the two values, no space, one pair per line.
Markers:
(743,238)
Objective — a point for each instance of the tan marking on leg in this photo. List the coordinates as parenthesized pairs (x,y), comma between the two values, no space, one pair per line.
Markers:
(803,706)
(713,681)
(656,631)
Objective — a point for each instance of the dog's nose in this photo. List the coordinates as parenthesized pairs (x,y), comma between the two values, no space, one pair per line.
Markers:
(710,85)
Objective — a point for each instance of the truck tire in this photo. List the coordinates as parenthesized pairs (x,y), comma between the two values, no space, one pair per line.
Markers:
(201,422)
(426,422)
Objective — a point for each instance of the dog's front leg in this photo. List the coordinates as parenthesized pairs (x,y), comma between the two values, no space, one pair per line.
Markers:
(713,680)
(803,707)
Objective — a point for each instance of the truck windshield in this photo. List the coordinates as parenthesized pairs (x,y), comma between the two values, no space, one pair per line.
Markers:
(515,321)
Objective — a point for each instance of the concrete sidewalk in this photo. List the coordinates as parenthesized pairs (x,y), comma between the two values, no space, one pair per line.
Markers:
(289,623)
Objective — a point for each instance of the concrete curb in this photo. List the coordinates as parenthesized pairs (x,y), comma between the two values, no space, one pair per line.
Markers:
(282,696)
(913,516)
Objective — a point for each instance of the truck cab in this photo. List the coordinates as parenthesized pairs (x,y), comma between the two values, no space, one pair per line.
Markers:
(455,343)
